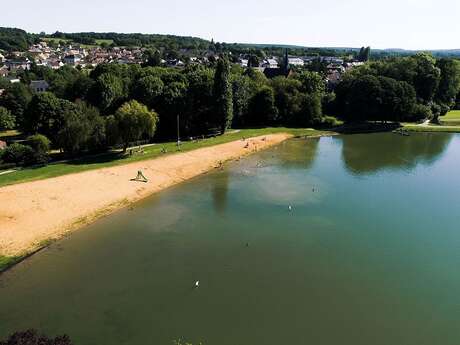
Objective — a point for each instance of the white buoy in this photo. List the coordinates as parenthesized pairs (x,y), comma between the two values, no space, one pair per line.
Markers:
(197,284)
(290,208)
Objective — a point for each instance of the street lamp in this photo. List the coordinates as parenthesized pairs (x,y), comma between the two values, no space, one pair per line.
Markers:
(178,134)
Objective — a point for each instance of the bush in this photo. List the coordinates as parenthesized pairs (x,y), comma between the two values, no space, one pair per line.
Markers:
(41,146)
(329,122)
(18,154)
(421,112)
(7,120)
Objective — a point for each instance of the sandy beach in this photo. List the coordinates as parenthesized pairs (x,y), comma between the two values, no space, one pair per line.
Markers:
(37,211)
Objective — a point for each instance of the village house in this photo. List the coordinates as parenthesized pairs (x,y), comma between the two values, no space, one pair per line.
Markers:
(243,62)
(39,86)
(73,59)
(2,145)
(296,61)
(270,63)
(18,64)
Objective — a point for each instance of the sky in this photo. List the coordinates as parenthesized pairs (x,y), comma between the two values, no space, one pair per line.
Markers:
(408,24)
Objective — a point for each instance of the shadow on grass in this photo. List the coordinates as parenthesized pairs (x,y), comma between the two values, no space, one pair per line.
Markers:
(366,127)
(101,158)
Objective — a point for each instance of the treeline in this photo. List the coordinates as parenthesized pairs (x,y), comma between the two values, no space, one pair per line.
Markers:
(169,42)
(115,105)
(12,39)
(399,89)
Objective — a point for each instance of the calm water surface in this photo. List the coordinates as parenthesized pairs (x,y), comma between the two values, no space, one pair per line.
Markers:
(369,254)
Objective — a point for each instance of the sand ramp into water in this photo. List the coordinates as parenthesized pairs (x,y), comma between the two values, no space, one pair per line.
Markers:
(36,211)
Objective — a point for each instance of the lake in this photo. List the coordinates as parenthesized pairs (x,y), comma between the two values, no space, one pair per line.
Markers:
(369,253)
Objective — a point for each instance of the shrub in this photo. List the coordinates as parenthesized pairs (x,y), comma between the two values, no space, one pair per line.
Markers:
(18,154)
(421,112)
(7,119)
(329,121)
(41,146)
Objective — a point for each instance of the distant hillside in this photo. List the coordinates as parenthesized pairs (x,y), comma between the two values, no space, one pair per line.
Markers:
(16,39)
(136,39)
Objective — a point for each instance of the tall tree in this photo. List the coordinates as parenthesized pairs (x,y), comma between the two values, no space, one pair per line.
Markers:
(449,84)
(223,94)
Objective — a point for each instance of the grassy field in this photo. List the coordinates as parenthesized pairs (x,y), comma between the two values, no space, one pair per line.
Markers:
(452,118)
(450,123)
(117,158)
(98,42)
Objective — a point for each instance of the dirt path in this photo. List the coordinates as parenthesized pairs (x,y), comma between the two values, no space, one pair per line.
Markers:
(33,212)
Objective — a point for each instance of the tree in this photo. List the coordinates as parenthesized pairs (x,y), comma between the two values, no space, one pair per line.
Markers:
(288,99)
(44,115)
(82,128)
(148,89)
(449,84)
(16,99)
(74,131)
(242,89)
(7,120)
(427,77)
(133,121)
(312,82)
(262,108)
(223,94)
(253,61)
(108,91)
(364,54)
(152,57)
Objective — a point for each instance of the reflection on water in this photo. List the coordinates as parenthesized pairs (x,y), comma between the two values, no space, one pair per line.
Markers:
(220,191)
(391,151)
(356,260)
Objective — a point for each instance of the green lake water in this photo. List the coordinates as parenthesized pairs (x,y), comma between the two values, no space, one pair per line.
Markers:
(369,254)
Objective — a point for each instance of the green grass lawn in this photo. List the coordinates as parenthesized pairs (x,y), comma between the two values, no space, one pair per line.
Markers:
(432,128)
(5,135)
(452,118)
(449,123)
(117,158)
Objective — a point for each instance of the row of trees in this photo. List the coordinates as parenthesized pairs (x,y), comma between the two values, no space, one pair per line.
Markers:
(399,89)
(90,110)
(119,104)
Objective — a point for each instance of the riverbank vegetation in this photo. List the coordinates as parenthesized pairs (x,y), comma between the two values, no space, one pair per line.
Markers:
(407,89)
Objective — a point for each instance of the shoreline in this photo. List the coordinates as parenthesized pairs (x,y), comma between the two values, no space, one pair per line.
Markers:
(40,212)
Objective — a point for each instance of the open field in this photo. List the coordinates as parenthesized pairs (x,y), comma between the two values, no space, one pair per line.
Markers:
(450,123)
(432,128)
(115,158)
(452,118)
(98,42)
